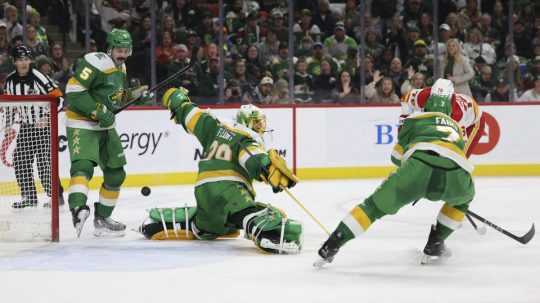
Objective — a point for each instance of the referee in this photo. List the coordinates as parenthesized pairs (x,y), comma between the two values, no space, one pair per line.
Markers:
(33,136)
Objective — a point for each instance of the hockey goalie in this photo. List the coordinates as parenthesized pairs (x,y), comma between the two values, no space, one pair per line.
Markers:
(233,156)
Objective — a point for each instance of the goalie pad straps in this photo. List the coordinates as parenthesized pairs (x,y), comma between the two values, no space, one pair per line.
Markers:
(255,232)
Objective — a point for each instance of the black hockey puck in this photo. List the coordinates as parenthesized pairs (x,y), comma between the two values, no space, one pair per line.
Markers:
(145,191)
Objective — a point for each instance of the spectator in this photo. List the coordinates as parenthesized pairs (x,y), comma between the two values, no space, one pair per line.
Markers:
(457,29)
(185,13)
(470,14)
(369,68)
(280,65)
(475,47)
(14,28)
(445,33)
(164,52)
(167,25)
(373,47)
(426,26)
(61,67)
(303,82)
(522,39)
(278,25)
(345,92)
(338,43)
(412,11)
(205,29)
(112,14)
(306,28)
(262,94)
(324,83)
(41,34)
(501,92)
(4,39)
(254,64)
(314,62)
(414,81)
(141,35)
(207,78)
(481,85)
(532,72)
(269,48)
(240,76)
(396,73)
(280,95)
(421,61)
(253,30)
(381,90)
(182,59)
(456,68)
(532,94)
(37,47)
(325,19)
(304,47)
(489,32)
(44,65)
(233,92)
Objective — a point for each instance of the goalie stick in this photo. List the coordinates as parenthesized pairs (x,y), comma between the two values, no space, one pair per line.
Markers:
(523,239)
(158,86)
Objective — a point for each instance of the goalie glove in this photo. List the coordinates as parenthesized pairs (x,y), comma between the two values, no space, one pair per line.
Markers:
(174,98)
(277,174)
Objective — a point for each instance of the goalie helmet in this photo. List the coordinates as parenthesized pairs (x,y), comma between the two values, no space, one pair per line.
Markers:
(252,117)
(440,99)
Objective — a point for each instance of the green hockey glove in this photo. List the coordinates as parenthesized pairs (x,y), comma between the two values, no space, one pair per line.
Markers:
(175,97)
(103,115)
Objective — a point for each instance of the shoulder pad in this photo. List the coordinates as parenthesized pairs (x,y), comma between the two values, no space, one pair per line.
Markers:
(100,61)
(243,130)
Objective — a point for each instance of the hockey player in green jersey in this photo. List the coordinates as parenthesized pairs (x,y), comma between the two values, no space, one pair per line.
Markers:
(432,165)
(233,156)
(95,91)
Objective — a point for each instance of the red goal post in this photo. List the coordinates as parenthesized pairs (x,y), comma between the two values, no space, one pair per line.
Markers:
(29,166)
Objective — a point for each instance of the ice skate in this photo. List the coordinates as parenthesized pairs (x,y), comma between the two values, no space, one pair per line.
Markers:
(327,252)
(107,227)
(435,250)
(24,204)
(79,216)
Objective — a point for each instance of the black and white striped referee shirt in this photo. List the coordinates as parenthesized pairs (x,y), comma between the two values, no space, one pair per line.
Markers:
(34,83)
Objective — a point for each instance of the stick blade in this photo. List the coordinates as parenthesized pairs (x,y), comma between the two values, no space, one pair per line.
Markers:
(528,236)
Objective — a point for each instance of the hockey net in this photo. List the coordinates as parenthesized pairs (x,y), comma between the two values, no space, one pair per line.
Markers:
(28,168)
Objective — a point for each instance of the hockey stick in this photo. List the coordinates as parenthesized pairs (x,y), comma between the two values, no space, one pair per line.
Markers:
(158,86)
(523,239)
(480,230)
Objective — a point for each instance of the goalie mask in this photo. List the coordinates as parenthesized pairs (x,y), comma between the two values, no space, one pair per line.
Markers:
(440,99)
(252,117)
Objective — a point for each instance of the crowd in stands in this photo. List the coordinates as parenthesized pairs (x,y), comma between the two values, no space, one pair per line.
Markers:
(336,59)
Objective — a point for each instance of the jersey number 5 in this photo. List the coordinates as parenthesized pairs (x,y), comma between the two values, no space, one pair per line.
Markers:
(85,73)
(219,151)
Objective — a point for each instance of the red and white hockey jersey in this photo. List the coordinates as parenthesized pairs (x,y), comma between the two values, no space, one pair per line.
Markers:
(465,111)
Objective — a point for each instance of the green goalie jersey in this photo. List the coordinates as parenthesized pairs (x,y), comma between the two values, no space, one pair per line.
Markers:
(435,132)
(224,147)
(96,80)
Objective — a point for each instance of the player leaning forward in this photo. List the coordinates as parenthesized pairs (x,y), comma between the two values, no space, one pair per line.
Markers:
(93,93)
(234,156)
(432,164)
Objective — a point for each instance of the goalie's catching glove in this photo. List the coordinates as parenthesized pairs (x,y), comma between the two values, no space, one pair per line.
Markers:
(277,174)
(174,98)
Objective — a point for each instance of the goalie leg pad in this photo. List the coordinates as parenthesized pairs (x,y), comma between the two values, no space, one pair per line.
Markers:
(272,231)
(176,224)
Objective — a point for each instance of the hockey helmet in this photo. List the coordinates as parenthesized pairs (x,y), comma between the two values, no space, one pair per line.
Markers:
(21,51)
(440,99)
(119,38)
(252,117)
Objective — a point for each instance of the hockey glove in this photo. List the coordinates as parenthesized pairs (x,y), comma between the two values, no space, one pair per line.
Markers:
(174,98)
(278,175)
(103,115)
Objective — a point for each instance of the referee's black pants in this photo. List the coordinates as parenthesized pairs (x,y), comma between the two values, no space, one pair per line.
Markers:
(32,142)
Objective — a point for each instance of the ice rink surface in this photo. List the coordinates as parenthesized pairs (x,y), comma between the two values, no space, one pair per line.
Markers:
(381,266)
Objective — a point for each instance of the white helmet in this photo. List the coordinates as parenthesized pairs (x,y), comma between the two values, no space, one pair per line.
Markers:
(442,87)
(252,117)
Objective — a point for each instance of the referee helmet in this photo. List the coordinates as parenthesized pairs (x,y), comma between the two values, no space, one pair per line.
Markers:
(21,51)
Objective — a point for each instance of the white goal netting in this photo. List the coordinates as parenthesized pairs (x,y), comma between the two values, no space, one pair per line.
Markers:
(27,170)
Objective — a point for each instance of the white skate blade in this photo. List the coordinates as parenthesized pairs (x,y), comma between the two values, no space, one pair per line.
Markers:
(427,259)
(287,248)
(320,263)
(107,233)
(82,215)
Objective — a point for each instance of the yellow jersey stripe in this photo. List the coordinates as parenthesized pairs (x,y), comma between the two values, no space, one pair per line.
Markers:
(193,121)
(108,194)
(78,180)
(361,217)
